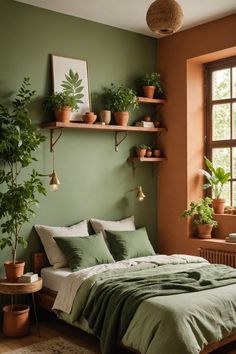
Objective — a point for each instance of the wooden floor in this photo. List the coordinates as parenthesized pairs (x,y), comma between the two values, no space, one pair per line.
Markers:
(50,327)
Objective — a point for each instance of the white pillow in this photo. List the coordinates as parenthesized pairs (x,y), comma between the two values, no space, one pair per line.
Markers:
(120,225)
(53,252)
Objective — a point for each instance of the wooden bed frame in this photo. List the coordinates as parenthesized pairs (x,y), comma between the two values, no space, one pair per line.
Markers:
(46,297)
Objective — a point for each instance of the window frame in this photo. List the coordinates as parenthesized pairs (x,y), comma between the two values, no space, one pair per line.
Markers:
(209,103)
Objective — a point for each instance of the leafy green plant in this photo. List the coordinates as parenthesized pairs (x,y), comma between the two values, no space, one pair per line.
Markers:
(143,146)
(152,79)
(121,98)
(202,211)
(19,138)
(216,179)
(60,99)
(72,86)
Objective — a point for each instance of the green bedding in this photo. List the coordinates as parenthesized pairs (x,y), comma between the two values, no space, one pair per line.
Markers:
(159,309)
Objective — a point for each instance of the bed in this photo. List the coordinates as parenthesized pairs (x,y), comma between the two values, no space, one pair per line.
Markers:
(53,279)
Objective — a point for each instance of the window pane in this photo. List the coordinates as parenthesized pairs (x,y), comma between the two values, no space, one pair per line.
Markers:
(234,81)
(234,194)
(221,158)
(234,119)
(226,193)
(221,84)
(221,122)
(234,162)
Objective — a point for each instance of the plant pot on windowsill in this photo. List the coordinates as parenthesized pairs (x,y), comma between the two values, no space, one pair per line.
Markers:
(218,204)
(204,230)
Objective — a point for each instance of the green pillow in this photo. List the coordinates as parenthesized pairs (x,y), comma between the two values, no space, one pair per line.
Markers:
(84,252)
(129,244)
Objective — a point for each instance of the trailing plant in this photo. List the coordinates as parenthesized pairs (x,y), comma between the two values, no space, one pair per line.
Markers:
(58,100)
(216,179)
(19,138)
(72,87)
(121,98)
(152,79)
(202,211)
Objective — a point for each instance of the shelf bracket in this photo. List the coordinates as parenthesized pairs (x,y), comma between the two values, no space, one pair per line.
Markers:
(53,140)
(119,141)
(134,166)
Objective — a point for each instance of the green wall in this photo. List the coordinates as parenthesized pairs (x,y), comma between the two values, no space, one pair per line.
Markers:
(95,179)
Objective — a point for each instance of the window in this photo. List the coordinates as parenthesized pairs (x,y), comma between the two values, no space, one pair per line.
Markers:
(221,120)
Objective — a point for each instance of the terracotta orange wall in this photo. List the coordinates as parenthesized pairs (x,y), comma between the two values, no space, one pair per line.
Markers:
(180,63)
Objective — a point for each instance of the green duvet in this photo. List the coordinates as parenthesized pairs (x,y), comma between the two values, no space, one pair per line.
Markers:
(159,309)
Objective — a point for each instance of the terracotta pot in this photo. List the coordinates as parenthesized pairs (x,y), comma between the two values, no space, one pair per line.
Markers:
(149,91)
(63,114)
(141,152)
(218,205)
(148,153)
(14,271)
(121,118)
(16,320)
(89,117)
(156,152)
(204,230)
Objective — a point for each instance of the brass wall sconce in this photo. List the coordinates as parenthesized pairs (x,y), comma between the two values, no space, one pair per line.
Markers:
(54,181)
(140,195)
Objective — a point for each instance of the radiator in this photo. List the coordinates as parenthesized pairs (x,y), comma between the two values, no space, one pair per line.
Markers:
(219,257)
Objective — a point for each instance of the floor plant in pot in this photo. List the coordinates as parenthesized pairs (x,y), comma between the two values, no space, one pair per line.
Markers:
(121,100)
(203,216)
(216,179)
(19,138)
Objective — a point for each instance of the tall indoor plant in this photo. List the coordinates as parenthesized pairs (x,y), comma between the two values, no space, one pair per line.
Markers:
(203,216)
(121,100)
(216,179)
(19,138)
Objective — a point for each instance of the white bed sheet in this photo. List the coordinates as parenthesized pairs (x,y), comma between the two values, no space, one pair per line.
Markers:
(52,278)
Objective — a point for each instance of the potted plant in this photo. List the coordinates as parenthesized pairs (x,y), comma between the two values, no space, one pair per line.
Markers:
(148,152)
(19,138)
(62,104)
(203,216)
(150,84)
(141,150)
(121,100)
(216,181)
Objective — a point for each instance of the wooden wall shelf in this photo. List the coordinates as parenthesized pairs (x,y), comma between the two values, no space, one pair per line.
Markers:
(135,161)
(145,100)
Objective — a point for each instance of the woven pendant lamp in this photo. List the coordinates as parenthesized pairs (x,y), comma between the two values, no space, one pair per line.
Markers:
(164,17)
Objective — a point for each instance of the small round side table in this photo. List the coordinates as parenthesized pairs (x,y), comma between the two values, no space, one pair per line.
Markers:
(22,288)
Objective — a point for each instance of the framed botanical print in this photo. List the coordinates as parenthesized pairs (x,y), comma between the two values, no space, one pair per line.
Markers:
(70,75)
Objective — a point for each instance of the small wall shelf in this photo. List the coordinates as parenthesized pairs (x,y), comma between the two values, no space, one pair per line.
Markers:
(135,161)
(145,100)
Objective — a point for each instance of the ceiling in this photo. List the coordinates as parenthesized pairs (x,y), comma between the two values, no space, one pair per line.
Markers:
(131,14)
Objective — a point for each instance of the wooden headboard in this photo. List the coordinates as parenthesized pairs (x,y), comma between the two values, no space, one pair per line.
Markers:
(39,261)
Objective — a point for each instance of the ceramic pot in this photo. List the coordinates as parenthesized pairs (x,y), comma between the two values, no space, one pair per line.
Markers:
(63,114)
(14,271)
(121,118)
(156,152)
(149,91)
(204,230)
(218,205)
(89,117)
(141,152)
(16,320)
(148,153)
(105,116)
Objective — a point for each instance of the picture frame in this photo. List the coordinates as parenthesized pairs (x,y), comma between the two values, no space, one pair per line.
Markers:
(64,71)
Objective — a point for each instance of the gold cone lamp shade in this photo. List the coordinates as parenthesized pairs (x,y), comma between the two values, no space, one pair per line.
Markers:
(164,17)
(54,181)
(140,194)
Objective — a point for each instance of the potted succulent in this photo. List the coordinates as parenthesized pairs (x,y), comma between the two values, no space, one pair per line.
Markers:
(121,100)
(216,181)
(67,100)
(150,84)
(19,138)
(141,150)
(148,152)
(203,216)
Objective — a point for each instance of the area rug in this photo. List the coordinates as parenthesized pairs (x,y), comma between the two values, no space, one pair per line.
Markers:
(56,345)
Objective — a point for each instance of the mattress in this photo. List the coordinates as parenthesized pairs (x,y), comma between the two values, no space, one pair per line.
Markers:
(52,278)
